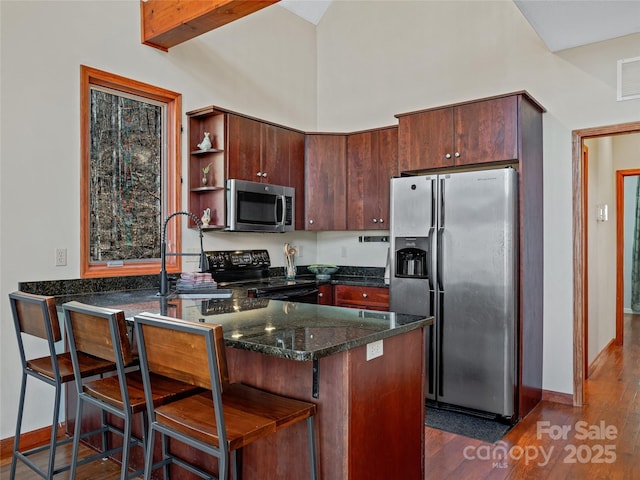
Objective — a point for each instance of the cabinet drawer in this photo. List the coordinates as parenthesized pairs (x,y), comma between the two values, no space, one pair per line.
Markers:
(325,294)
(374,298)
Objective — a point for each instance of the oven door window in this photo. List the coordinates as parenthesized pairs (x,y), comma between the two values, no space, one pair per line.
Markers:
(258,208)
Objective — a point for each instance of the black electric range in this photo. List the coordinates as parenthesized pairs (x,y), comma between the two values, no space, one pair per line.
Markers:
(249,269)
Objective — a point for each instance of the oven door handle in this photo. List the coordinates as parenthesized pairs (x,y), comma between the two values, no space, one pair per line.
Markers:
(291,294)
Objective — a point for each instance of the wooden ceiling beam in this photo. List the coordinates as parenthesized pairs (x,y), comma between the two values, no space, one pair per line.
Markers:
(167,23)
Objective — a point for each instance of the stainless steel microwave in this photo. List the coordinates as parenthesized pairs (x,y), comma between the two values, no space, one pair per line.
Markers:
(259,207)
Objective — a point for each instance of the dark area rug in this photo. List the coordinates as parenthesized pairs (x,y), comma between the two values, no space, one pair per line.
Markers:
(484,429)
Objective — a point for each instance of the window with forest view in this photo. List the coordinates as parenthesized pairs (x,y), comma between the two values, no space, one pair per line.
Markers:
(125,175)
(130,174)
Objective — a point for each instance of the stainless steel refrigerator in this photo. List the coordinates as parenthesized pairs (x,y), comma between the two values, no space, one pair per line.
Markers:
(454,256)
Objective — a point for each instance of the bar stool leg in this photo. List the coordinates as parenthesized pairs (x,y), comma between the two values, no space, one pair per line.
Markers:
(76,441)
(16,440)
(54,431)
(126,445)
(312,448)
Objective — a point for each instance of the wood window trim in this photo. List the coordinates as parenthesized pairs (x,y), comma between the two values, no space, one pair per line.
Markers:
(91,76)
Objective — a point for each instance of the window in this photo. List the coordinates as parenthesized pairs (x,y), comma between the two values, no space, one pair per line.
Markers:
(130,151)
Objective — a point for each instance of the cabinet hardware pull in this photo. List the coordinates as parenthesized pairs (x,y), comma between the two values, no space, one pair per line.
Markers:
(457,154)
(364,295)
(447,156)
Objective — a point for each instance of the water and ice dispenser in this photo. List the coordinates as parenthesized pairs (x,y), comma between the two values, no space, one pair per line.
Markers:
(412,257)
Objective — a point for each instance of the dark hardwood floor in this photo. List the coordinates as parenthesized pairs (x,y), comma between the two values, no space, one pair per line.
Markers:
(598,441)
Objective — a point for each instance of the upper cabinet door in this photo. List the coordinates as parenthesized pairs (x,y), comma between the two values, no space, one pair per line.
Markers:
(296,173)
(425,140)
(372,158)
(387,168)
(326,192)
(486,131)
(362,179)
(244,148)
(274,167)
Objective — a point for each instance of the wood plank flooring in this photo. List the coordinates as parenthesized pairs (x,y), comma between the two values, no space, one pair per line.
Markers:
(598,441)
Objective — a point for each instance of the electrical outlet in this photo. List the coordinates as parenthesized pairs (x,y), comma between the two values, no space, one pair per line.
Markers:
(374,350)
(343,252)
(299,250)
(61,257)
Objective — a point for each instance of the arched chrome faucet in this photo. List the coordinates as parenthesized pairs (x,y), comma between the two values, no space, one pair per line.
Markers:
(204,261)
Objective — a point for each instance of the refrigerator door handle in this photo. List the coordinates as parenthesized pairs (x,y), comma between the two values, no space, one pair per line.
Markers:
(430,258)
(439,242)
(439,354)
(439,247)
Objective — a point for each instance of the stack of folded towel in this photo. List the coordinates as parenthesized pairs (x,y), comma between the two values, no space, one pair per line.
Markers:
(195,281)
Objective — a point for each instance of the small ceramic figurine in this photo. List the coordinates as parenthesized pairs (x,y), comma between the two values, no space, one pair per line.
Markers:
(206,142)
(206,217)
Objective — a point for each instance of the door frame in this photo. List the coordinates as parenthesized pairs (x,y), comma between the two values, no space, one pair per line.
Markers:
(580,285)
(620,176)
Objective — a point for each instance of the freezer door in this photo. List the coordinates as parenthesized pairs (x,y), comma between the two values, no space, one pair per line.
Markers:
(412,207)
(477,244)
(412,235)
(412,231)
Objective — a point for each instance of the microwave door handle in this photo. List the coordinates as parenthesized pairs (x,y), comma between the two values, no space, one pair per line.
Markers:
(280,200)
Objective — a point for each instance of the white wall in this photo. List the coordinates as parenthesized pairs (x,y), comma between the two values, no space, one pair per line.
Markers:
(365,62)
(601,246)
(251,66)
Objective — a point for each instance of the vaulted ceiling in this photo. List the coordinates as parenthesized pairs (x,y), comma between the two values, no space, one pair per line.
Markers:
(560,24)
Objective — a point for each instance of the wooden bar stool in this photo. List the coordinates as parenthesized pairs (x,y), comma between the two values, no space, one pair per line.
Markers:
(101,333)
(36,316)
(224,418)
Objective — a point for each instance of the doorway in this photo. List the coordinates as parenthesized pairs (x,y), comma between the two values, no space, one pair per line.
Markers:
(621,185)
(580,285)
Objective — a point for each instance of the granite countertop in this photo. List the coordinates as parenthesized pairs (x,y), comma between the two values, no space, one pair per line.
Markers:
(297,331)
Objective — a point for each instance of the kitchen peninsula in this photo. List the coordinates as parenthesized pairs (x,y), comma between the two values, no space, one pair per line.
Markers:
(364,369)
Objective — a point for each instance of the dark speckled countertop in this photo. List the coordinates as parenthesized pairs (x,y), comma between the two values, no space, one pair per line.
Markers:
(286,329)
(296,331)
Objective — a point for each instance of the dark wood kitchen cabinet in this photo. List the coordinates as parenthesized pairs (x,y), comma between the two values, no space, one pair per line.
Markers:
(367,298)
(471,133)
(264,152)
(244,148)
(372,159)
(326,186)
(325,294)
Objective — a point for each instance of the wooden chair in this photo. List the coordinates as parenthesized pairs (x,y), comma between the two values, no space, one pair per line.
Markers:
(36,316)
(221,420)
(102,334)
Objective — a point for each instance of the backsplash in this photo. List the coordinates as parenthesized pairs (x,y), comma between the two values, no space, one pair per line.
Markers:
(85,285)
